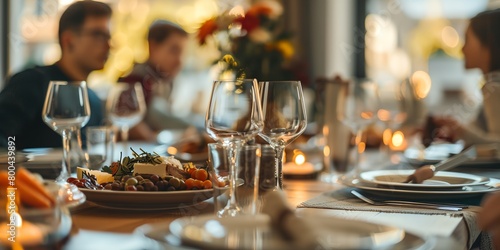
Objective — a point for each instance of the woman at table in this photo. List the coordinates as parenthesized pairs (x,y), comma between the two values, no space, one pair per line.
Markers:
(481,50)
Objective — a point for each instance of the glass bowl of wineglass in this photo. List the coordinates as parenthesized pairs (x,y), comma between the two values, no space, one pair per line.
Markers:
(66,110)
(357,108)
(234,117)
(126,107)
(285,117)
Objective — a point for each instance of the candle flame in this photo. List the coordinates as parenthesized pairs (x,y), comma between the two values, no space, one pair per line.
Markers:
(398,139)
(298,157)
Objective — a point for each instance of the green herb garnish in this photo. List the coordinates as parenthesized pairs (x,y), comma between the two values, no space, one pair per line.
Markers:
(125,166)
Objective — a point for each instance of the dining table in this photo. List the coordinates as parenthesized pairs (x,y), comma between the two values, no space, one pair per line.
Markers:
(95,227)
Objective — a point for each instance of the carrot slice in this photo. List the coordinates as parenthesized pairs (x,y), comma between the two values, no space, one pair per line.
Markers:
(26,181)
(4,179)
(32,198)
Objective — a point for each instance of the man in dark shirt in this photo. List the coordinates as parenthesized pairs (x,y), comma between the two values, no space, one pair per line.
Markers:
(84,39)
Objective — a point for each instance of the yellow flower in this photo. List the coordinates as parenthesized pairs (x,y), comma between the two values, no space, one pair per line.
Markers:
(286,48)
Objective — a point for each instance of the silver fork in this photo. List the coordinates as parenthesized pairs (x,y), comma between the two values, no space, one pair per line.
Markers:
(405,204)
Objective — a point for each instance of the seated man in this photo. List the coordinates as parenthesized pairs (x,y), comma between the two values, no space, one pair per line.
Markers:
(84,39)
(166,45)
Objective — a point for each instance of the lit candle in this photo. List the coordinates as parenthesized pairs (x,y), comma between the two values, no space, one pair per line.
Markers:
(398,141)
(26,234)
(298,165)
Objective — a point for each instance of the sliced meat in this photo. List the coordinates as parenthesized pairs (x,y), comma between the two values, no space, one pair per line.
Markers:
(175,172)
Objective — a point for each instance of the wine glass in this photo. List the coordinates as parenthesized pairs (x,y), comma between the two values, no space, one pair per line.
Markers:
(284,118)
(234,116)
(357,108)
(392,109)
(126,107)
(66,110)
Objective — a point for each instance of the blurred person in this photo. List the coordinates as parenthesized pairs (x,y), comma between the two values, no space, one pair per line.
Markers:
(84,35)
(166,42)
(482,51)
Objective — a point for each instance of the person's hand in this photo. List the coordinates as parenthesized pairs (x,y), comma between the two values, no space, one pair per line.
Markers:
(489,217)
(442,121)
(446,128)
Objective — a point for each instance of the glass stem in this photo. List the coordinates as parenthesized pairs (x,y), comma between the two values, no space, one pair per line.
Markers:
(66,164)
(124,135)
(278,150)
(233,173)
(359,137)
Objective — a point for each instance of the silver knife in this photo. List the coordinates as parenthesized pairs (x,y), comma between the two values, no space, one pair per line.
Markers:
(466,155)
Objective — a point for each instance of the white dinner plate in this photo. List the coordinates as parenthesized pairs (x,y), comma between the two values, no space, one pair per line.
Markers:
(442,151)
(137,200)
(441,180)
(469,191)
(256,233)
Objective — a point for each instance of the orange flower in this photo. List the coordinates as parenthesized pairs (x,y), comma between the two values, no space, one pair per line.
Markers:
(206,29)
(259,9)
(251,20)
(248,22)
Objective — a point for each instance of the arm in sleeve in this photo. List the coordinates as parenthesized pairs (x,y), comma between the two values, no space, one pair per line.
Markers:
(20,102)
(473,134)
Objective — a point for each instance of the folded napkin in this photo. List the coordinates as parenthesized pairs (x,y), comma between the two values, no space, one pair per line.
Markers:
(343,200)
(283,219)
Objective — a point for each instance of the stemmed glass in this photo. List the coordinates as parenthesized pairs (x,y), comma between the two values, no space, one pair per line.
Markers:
(234,116)
(392,108)
(66,110)
(284,118)
(357,108)
(126,107)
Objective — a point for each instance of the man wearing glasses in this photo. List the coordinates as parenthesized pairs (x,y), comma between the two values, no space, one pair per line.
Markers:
(84,40)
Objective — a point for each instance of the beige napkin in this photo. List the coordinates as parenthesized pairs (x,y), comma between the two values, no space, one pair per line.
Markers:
(343,200)
(283,219)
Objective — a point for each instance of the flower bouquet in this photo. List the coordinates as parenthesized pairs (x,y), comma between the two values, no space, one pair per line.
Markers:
(253,43)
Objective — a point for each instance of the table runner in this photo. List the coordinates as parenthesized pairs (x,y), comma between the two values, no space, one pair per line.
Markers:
(342,199)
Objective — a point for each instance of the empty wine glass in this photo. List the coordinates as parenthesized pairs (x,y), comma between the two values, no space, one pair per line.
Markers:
(234,116)
(284,118)
(357,108)
(66,110)
(126,107)
(392,109)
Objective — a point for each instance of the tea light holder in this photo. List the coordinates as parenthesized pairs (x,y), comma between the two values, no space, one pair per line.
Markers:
(298,165)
